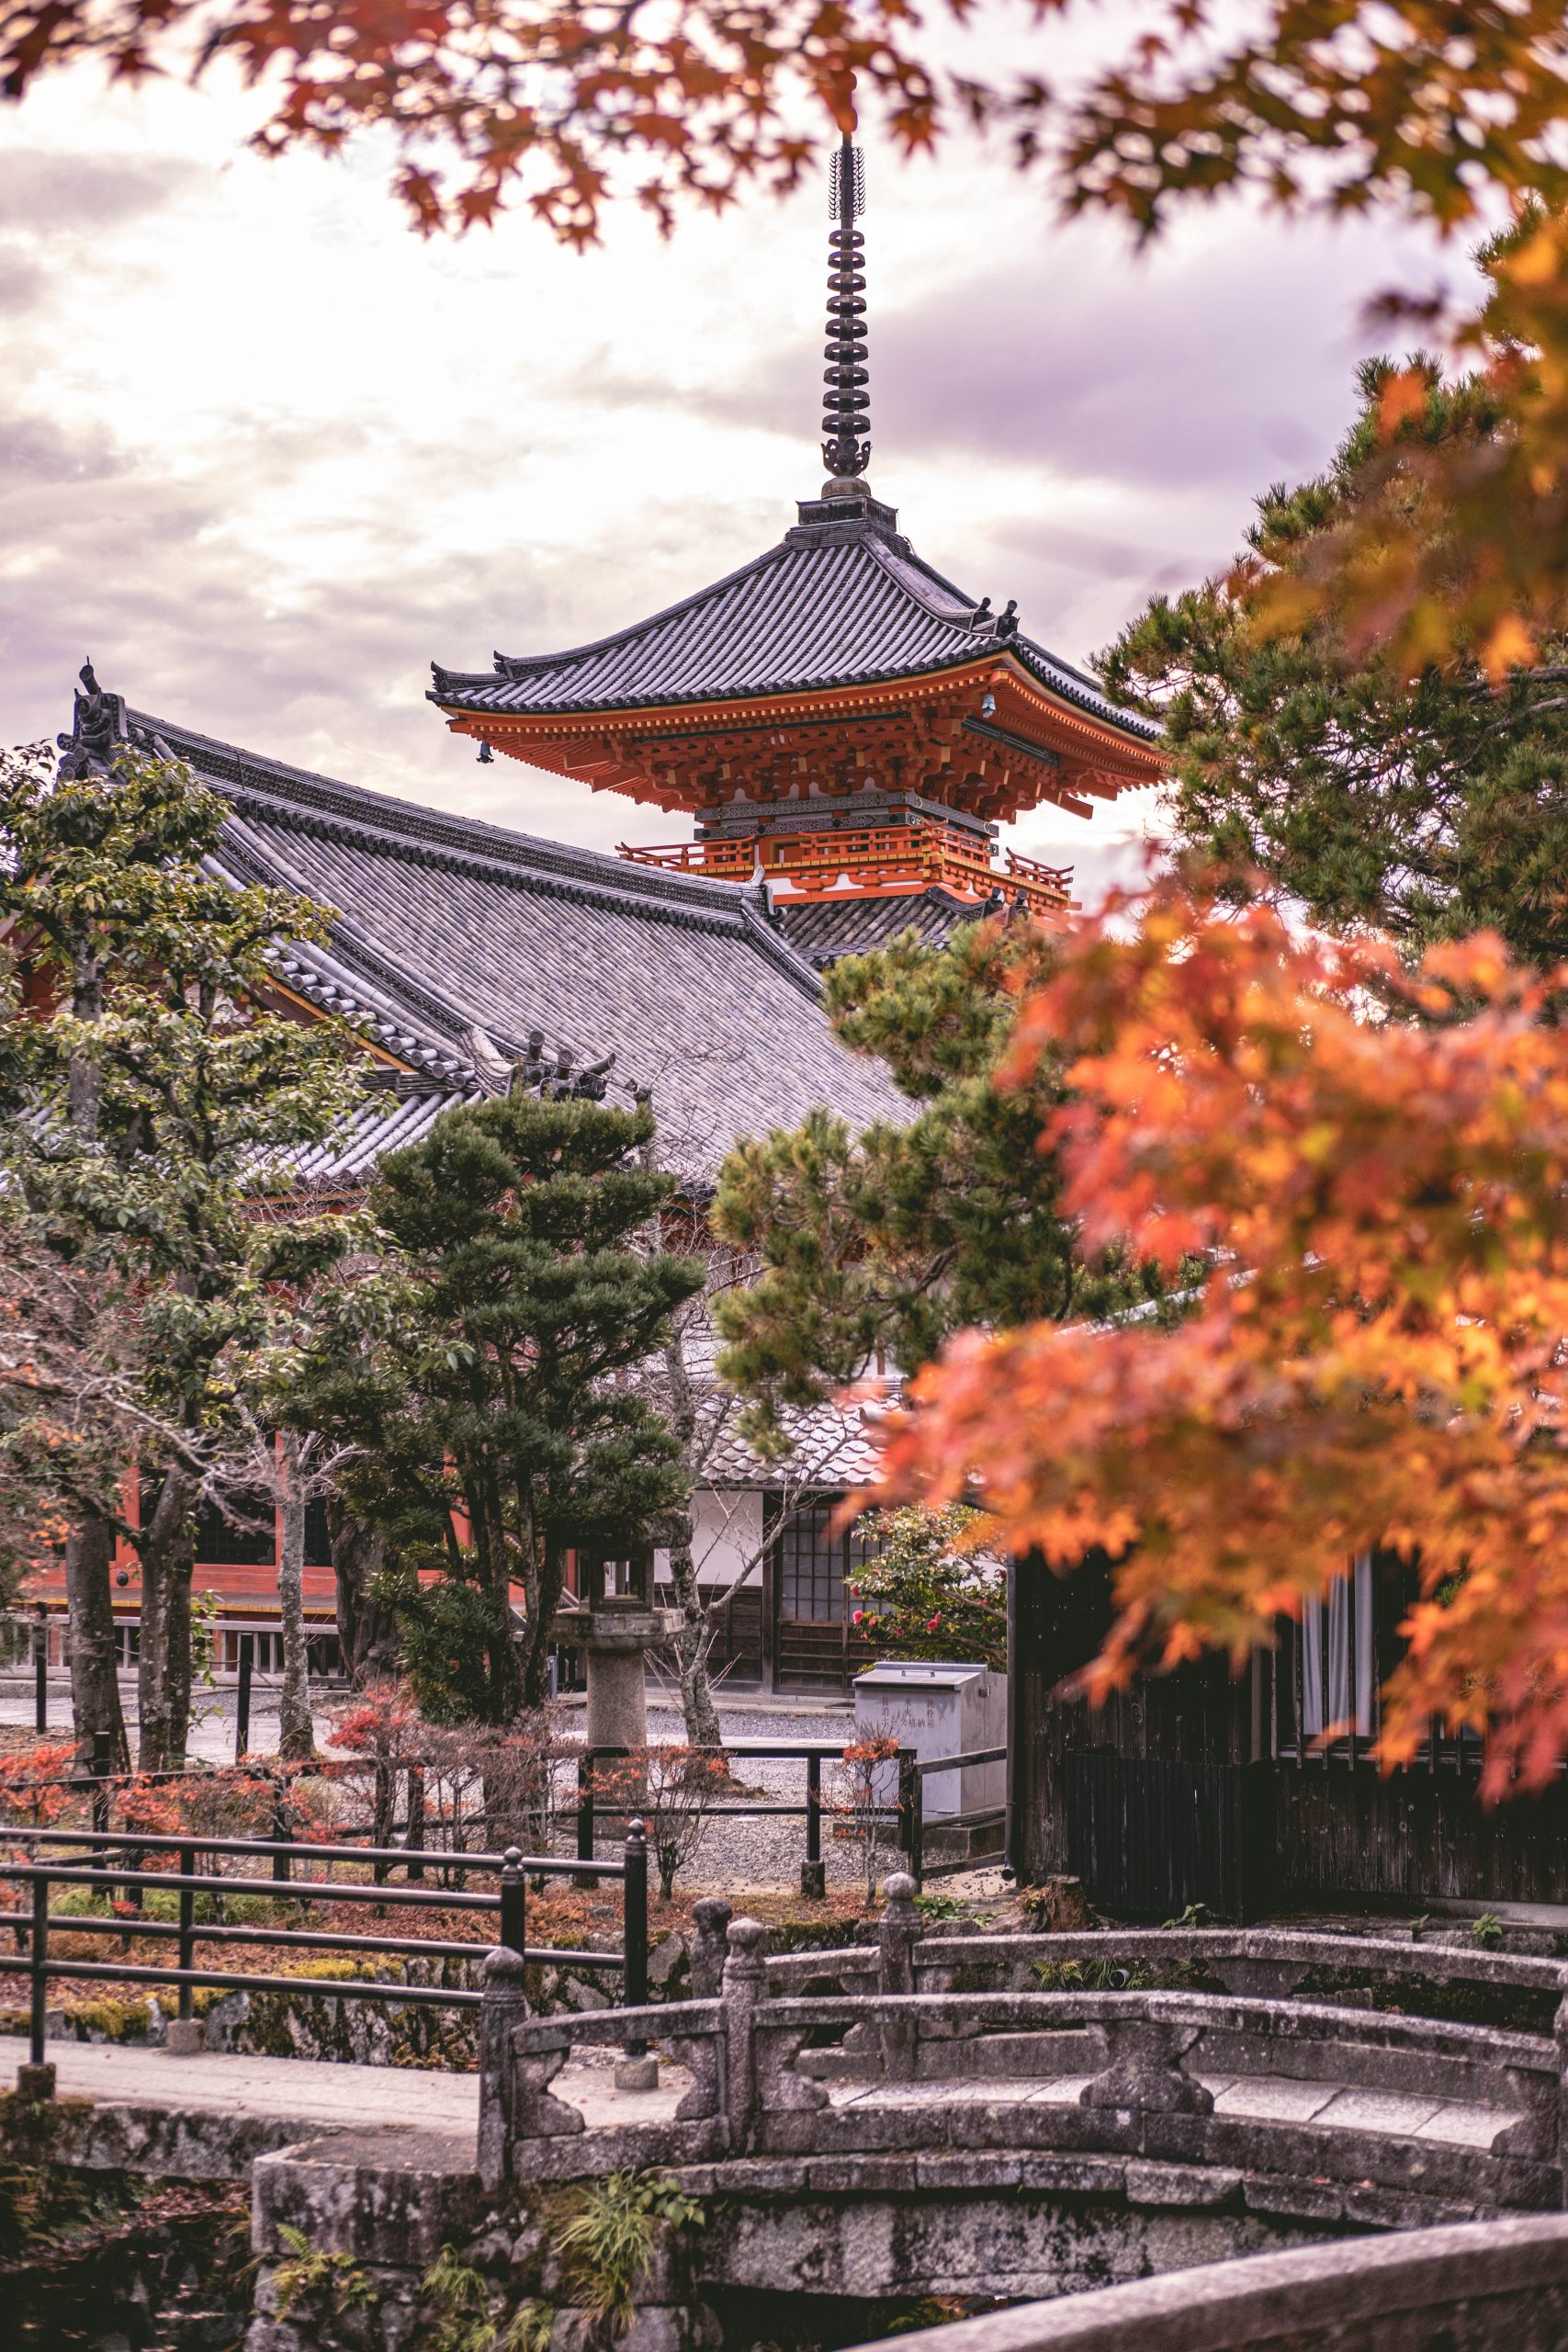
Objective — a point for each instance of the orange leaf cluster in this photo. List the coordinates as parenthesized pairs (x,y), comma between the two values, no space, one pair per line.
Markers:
(1455,547)
(1372,1166)
(485,99)
(32,1782)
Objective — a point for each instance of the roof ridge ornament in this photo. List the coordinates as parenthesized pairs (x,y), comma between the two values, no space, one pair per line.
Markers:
(97,729)
(846,422)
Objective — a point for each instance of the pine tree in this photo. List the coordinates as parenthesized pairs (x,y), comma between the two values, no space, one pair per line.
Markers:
(488,1370)
(873,1247)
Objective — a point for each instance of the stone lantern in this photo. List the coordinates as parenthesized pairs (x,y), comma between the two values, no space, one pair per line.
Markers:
(614,1624)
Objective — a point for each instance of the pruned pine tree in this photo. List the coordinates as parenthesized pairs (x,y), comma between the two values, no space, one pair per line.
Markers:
(482,1369)
(151,1104)
(874,1247)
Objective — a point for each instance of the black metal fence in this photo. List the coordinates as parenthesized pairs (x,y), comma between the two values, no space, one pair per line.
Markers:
(906,1814)
(107,1867)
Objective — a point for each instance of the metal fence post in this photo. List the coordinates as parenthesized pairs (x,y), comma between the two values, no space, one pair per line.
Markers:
(187,1946)
(918,1826)
(635,1920)
(638,2070)
(282,1830)
(906,1795)
(40,1672)
(242,1704)
(514,1901)
(812,1870)
(413,1834)
(40,1987)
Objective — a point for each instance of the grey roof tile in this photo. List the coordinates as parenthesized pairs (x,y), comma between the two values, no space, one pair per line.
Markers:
(837,605)
(823,929)
(443,924)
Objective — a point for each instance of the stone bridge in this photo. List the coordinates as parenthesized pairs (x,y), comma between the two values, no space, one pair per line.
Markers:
(989,2116)
(912,2138)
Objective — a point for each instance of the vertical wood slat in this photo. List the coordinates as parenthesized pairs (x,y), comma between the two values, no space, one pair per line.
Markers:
(1150,1835)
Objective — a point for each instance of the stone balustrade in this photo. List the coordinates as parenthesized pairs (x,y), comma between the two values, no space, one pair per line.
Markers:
(1498,2287)
(1418,2117)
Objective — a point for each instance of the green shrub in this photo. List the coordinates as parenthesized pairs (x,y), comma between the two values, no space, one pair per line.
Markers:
(607,2237)
(334,2283)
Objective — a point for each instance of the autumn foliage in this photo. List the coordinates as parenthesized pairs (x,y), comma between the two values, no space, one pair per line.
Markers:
(1373,1163)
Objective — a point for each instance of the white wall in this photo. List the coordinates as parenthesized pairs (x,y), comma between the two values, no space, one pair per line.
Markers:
(726,1531)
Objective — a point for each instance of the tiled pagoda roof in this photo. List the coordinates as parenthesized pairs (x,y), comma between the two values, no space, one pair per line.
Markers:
(445,926)
(836,603)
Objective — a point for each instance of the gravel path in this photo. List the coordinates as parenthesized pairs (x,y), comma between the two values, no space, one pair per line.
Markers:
(736,1854)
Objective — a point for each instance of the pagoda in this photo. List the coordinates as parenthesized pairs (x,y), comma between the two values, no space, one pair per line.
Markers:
(838,719)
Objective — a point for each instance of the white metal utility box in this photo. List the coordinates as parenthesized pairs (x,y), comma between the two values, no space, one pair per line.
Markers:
(946,1708)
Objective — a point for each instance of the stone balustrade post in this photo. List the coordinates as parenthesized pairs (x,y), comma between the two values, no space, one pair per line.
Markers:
(897,1934)
(744,1987)
(1143,2073)
(710,1945)
(503,2005)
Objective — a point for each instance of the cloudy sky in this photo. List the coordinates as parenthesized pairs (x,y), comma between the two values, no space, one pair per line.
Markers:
(263,455)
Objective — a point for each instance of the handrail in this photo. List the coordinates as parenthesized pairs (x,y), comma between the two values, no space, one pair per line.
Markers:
(104,1870)
(537,1865)
(1136,2074)
(923,851)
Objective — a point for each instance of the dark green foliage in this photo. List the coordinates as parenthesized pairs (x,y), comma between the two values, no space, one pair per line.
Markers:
(874,1248)
(484,1367)
(1427,807)
(149,1106)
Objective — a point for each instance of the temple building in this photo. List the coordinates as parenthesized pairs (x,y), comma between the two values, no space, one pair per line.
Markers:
(846,732)
(846,729)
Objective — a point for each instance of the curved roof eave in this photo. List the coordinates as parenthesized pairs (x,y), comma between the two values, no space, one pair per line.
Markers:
(704,667)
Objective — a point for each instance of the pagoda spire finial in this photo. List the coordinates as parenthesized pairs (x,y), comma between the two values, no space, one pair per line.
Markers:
(846,452)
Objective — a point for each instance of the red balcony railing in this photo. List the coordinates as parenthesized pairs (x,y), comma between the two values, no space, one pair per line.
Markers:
(870,858)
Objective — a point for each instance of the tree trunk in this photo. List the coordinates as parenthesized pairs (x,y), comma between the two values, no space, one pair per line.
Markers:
(89,1548)
(543,1591)
(694,1634)
(368,1633)
(295,1730)
(94,1687)
(163,1676)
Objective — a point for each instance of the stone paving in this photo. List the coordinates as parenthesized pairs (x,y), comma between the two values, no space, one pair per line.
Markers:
(1262,2098)
(298,2091)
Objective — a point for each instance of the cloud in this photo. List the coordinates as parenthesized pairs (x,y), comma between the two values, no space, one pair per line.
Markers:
(263,455)
(38,449)
(1192,366)
(45,194)
(23,286)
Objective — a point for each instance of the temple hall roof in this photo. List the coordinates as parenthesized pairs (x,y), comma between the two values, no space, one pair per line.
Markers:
(824,929)
(457,943)
(838,603)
